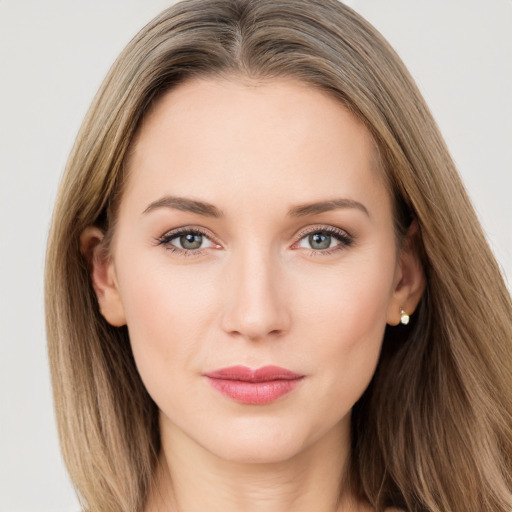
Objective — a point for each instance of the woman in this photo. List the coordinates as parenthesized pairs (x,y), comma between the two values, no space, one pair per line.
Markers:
(266,287)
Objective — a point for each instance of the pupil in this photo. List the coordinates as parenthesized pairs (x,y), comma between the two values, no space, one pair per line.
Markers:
(191,241)
(320,241)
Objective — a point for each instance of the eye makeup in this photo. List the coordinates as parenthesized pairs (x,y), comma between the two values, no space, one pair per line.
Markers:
(184,241)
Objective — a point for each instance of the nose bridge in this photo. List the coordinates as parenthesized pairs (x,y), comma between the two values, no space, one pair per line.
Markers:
(256,305)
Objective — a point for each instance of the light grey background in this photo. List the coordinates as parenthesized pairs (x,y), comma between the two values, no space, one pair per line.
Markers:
(53,56)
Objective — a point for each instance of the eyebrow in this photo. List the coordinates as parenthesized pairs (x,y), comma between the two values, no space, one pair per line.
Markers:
(209,210)
(302,210)
(186,205)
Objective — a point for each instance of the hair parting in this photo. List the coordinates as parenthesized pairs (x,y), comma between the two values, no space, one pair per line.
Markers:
(433,431)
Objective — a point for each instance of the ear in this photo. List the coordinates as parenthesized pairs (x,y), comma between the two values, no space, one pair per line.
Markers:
(409,282)
(103,276)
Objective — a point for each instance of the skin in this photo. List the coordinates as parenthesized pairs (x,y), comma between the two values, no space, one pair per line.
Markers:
(260,292)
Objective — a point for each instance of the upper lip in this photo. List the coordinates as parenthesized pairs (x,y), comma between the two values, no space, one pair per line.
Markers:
(245,374)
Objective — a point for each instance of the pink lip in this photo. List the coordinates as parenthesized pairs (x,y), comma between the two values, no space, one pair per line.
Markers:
(254,387)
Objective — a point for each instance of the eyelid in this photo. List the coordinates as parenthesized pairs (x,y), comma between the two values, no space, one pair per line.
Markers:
(166,238)
(321,227)
(344,237)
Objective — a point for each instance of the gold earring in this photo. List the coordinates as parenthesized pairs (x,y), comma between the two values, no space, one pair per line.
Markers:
(404,317)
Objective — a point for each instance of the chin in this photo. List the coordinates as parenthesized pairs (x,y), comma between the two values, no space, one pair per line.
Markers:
(261,442)
(256,451)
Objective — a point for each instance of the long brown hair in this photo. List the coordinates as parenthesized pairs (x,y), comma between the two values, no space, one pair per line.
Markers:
(433,432)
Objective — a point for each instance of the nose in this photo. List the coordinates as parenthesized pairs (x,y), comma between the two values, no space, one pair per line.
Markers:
(257,306)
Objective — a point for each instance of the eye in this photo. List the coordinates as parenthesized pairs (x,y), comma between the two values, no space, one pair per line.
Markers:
(325,240)
(190,241)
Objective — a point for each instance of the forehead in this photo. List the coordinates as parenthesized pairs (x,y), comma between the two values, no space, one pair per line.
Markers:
(277,139)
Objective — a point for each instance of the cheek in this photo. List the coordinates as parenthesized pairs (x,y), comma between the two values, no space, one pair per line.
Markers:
(168,314)
(351,301)
(346,320)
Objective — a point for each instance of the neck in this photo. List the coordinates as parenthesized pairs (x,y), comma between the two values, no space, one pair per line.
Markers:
(190,478)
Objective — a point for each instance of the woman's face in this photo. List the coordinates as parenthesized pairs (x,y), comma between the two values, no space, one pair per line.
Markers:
(255,231)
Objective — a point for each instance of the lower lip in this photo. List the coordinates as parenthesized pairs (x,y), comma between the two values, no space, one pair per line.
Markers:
(254,393)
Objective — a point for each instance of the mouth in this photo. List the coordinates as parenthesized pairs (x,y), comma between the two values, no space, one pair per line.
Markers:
(254,386)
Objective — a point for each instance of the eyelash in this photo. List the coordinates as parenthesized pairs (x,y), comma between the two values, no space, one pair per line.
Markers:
(345,239)
(165,240)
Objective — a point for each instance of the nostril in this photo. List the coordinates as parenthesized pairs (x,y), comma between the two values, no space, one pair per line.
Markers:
(243,327)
